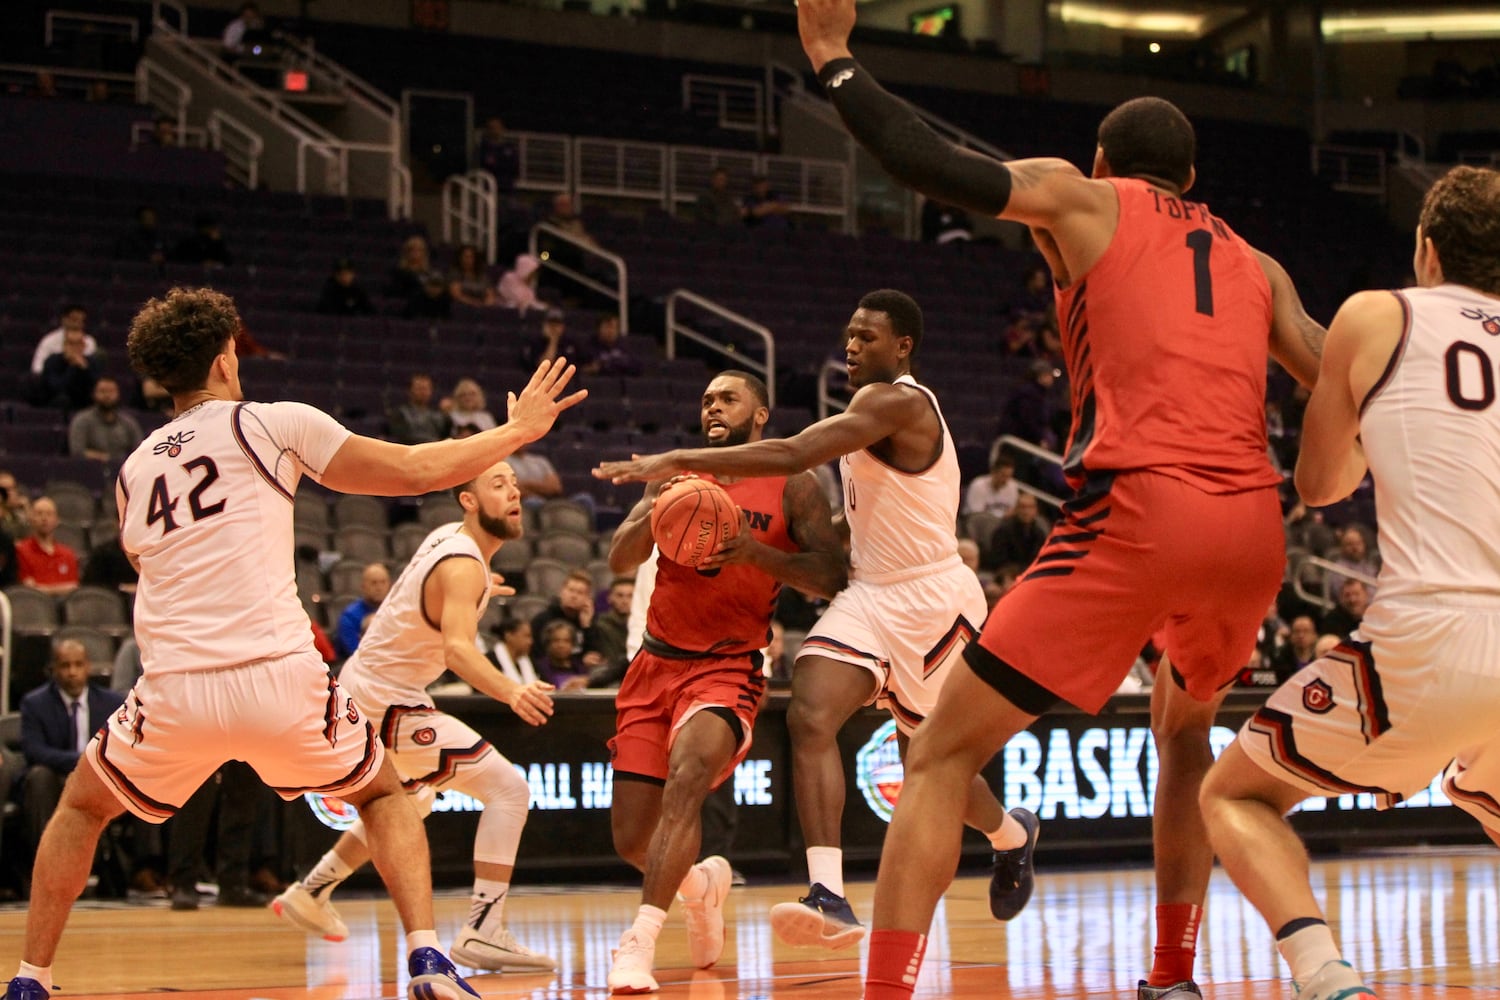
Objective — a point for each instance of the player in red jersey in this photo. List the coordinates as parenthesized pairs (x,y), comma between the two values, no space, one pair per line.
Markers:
(1167,318)
(690,696)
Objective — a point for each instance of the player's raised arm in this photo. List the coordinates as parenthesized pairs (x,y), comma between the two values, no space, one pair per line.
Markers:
(382,468)
(1296,338)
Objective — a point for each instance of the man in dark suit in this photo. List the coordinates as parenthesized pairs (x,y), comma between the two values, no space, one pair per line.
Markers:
(57,721)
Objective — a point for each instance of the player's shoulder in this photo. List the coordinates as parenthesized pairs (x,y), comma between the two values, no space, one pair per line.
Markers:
(1376,307)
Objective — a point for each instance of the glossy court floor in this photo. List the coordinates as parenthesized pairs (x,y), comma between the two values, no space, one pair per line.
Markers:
(1422,925)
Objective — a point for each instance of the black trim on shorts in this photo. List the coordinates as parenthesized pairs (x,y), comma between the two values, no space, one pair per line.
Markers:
(647,778)
(1012,685)
(735,725)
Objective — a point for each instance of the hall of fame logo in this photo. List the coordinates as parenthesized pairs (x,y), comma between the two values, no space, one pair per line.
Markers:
(878,771)
(336,814)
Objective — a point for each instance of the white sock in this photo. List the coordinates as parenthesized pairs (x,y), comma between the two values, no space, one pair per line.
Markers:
(1309,949)
(1009,835)
(421,939)
(326,875)
(41,973)
(648,921)
(695,886)
(487,905)
(826,865)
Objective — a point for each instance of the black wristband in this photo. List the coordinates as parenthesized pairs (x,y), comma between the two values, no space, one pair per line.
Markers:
(833,68)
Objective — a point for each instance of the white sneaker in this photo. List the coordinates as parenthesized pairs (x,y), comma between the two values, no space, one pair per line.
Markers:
(705,915)
(497,952)
(314,915)
(631,971)
(1334,981)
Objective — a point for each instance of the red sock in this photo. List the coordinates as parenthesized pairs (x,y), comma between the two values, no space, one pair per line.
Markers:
(895,960)
(1176,943)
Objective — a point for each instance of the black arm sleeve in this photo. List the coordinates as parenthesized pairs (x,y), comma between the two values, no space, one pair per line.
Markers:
(909,151)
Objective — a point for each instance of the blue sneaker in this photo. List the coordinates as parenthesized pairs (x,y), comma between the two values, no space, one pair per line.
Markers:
(25,988)
(1013,878)
(819,919)
(433,977)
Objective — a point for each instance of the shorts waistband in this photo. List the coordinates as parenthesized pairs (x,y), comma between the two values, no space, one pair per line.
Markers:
(667,651)
(912,572)
(1470,600)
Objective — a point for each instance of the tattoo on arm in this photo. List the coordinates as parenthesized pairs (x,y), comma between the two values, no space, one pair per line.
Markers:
(1313,334)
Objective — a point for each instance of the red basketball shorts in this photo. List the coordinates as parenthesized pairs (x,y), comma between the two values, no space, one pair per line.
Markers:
(659,695)
(1150,554)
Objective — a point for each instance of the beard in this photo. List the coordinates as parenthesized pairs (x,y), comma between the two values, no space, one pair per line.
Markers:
(499,527)
(736,434)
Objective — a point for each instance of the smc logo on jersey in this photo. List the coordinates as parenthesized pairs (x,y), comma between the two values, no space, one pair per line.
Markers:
(172,446)
(1490,324)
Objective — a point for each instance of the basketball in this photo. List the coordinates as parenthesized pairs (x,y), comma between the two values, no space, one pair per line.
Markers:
(692,519)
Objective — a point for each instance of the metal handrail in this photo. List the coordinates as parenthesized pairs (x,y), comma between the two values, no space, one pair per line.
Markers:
(1034,450)
(476,196)
(767,370)
(187,138)
(85,17)
(1318,562)
(400,203)
(827,401)
(355,85)
(181,94)
(251,147)
(721,87)
(620,293)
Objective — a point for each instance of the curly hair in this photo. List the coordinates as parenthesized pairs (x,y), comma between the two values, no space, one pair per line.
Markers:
(175,339)
(1461,215)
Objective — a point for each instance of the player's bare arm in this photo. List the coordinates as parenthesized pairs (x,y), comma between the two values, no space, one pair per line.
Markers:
(1296,338)
(819,569)
(632,541)
(449,597)
(1360,343)
(876,412)
(382,468)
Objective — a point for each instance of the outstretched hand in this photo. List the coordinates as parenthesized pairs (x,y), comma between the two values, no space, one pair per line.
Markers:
(533,702)
(538,406)
(640,468)
(825,26)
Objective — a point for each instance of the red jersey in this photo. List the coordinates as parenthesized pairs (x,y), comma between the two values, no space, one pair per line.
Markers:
(1166,340)
(34,565)
(729,611)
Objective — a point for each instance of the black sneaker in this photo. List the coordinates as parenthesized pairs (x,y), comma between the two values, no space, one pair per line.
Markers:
(1013,878)
(822,918)
(24,988)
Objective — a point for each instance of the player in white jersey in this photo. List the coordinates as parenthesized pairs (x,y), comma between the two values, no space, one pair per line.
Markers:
(1407,389)
(230,672)
(427,624)
(892,636)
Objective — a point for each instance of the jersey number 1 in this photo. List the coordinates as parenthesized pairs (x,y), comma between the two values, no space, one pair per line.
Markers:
(1200,241)
(163,504)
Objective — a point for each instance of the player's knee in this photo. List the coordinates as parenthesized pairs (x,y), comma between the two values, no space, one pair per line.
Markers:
(631,843)
(688,779)
(807,721)
(505,789)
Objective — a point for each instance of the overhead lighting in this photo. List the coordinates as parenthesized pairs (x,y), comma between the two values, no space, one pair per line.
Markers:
(1157,22)
(1450,23)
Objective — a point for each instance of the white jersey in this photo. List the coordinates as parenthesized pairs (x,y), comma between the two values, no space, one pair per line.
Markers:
(402,650)
(901,520)
(206,506)
(1431,433)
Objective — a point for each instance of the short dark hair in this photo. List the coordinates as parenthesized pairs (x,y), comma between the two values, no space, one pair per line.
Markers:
(905,314)
(1461,215)
(582,576)
(508,626)
(175,339)
(1149,137)
(73,307)
(621,579)
(552,627)
(468,487)
(754,383)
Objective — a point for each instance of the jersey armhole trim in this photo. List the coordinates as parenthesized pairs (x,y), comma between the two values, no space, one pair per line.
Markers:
(422,589)
(931,398)
(244,443)
(1396,355)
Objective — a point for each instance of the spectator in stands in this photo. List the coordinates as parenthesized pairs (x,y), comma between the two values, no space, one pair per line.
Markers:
(574,604)
(995,493)
(1036,295)
(1306,529)
(718,206)
(565,217)
(467,410)
(968,552)
(778,664)
(74,317)
(43,562)
(498,156)
(107,565)
(68,377)
(1353,554)
(607,635)
(517,288)
(405,282)
(763,207)
(145,242)
(945,223)
(1026,411)
(15,507)
(1004,579)
(374,585)
(1354,598)
(150,395)
(432,301)
(57,721)
(45,85)
(607,355)
(536,475)
(164,132)
(1019,535)
(205,246)
(551,342)
(240,34)
(512,654)
(468,282)
(342,294)
(417,421)
(557,663)
(1298,650)
(102,432)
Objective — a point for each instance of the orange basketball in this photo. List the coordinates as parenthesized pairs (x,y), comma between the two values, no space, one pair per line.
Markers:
(692,519)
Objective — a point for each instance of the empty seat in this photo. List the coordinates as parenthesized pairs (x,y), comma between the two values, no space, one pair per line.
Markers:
(365,545)
(406,539)
(544,577)
(566,515)
(566,546)
(441,509)
(31,611)
(75,502)
(360,512)
(99,607)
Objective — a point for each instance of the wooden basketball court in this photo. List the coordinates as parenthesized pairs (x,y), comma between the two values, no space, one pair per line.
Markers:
(1422,925)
